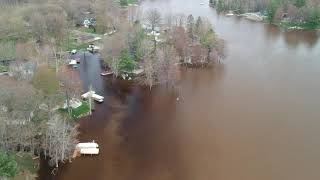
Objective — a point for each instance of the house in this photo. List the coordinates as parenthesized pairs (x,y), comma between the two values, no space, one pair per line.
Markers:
(89,22)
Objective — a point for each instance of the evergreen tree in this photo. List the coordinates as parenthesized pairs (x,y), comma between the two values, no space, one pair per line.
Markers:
(124,2)
(126,62)
(198,25)
(8,165)
(190,26)
(272,9)
(299,3)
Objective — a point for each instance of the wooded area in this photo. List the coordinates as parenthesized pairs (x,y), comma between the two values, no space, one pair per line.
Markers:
(303,13)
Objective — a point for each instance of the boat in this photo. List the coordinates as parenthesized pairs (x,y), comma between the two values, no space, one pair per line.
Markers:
(73,62)
(106,73)
(86,95)
(93,95)
(97,98)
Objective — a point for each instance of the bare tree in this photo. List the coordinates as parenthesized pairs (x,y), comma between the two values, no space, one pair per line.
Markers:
(149,70)
(181,43)
(153,18)
(72,85)
(61,140)
(167,70)
(38,25)
(112,50)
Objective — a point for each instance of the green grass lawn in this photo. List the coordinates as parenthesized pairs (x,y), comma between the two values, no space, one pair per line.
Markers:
(3,69)
(87,30)
(73,44)
(79,112)
(289,25)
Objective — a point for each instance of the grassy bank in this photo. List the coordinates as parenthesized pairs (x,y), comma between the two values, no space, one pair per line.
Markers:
(298,26)
(3,69)
(81,111)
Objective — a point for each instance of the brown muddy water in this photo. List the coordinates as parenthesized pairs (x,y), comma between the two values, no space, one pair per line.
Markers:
(256,117)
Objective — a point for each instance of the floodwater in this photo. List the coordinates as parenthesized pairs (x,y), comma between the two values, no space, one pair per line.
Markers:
(256,117)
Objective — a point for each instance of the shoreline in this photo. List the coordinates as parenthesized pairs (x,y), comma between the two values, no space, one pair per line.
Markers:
(255,16)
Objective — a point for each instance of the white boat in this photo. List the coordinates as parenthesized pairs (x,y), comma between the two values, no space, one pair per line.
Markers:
(94,96)
(73,62)
(86,95)
(97,97)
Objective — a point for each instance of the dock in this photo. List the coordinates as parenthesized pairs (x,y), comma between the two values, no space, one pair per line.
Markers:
(91,148)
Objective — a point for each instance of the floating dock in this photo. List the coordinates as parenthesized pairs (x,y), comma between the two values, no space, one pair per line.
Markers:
(91,148)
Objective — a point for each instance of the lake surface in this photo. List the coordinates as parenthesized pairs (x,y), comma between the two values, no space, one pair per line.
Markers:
(255,117)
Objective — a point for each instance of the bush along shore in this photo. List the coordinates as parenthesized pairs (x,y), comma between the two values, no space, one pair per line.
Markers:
(289,14)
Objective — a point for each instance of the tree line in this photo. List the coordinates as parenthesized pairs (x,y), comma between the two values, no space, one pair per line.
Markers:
(295,12)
